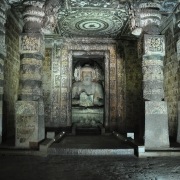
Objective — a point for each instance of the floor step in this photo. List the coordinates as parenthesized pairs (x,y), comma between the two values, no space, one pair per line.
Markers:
(90,145)
(88,131)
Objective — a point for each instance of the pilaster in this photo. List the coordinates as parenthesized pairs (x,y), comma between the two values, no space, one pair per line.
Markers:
(3,8)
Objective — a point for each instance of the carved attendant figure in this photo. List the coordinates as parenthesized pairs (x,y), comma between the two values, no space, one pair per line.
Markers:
(87,92)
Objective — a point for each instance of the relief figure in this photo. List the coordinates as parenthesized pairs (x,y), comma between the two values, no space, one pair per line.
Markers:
(87,91)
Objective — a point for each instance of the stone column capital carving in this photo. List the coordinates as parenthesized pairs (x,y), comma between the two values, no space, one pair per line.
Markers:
(32,16)
(50,19)
(34,3)
(145,17)
(4,5)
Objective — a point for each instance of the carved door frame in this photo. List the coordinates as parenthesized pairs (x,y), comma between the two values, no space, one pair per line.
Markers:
(106,48)
(105,54)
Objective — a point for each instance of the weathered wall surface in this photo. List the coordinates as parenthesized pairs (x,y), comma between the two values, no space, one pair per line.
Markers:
(171,79)
(11,73)
(46,80)
(134,98)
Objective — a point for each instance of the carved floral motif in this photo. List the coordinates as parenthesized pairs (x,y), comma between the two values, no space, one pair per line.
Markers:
(154,44)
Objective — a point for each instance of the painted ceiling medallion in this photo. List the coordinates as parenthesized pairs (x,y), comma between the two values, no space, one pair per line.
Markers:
(92,23)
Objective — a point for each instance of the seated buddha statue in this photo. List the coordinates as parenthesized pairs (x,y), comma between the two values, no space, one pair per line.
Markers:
(87,92)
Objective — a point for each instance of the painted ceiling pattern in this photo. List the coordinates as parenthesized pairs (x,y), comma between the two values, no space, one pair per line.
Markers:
(99,18)
(91,18)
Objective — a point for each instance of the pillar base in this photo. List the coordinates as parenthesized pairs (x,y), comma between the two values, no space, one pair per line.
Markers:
(29,124)
(156,125)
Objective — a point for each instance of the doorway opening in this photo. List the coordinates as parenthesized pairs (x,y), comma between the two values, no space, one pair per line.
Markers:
(88,94)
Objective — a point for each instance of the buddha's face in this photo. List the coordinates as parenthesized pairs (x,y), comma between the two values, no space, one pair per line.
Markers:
(87,76)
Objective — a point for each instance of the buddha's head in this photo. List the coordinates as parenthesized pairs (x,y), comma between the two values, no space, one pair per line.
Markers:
(87,73)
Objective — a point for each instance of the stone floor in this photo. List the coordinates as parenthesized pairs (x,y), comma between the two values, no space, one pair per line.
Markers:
(88,168)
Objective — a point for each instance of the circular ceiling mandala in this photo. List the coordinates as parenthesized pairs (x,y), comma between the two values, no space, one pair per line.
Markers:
(92,23)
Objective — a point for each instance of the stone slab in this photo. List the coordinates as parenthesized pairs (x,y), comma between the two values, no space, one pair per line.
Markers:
(156,125)
(44,146)
(130,135)
(50,135)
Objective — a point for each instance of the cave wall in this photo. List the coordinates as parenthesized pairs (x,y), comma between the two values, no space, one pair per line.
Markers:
(171,80)
(46,80)
(134,95)
(11,72)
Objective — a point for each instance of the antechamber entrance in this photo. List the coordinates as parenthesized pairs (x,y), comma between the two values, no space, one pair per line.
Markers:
(88,91)
(102,101)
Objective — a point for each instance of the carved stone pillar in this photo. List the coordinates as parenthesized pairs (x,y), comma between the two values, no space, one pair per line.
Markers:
(3,8)
(29,108)
(156,117)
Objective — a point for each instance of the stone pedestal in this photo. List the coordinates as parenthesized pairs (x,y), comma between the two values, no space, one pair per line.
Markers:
(87,117)
(156,125)
(29,124)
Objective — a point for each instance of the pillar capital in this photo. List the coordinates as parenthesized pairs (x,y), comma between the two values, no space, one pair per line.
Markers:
(33,15)
(145,17)
(50,19)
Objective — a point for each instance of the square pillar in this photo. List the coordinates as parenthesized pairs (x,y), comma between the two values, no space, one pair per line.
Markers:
(156,116)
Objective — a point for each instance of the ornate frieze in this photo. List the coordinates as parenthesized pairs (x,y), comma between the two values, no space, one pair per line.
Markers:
(31,61)
(96,3)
